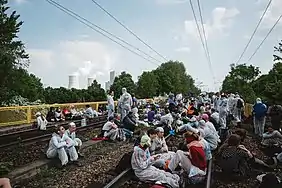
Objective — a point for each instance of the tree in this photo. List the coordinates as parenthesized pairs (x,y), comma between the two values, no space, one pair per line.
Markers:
(147,85)
(96,92)
(123,80)
(240,79)
(279,50)
(172,77)
(12,51)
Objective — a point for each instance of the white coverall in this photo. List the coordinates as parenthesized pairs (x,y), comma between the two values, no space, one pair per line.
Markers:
(110,130)
(41,123)
(142,164)
(77,141)
(223,112)
(58,147)
(111,105)
(125,103)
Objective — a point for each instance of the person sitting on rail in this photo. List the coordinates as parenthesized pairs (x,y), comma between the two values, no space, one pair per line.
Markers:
(41,121)
(129,124)
(235,159)
(166,120)
(75,115)
(51,115)
(61,146)
(59,116)
(72,134)
(110,129)
(5,183)
(151,114)
(159,145)
(272,137)
(142,165)
(152,133)
(136,116)
(89,112)
(209,135)
(214,118)
(192,158)
(67,114)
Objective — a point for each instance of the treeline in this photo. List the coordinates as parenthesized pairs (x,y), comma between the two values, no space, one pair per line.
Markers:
(250,83)
(16,82)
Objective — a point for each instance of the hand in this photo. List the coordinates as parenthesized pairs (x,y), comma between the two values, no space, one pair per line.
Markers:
(156,157)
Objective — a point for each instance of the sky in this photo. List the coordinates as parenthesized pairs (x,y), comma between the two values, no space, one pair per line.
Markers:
(60,46)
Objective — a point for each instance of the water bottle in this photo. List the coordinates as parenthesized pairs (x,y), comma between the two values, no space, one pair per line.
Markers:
(83,122)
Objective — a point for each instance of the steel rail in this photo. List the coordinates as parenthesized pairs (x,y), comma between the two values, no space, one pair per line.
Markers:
(123,176)
(46,135)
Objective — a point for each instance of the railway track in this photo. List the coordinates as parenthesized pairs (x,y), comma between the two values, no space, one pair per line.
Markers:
(35,135)
(128,174)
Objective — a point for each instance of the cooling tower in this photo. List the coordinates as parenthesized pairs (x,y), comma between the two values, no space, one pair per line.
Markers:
(73,82)
(89,81)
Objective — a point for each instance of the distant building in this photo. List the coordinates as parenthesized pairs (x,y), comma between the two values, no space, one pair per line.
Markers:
(89,81)
(73,82)
(112,77)
(107,85)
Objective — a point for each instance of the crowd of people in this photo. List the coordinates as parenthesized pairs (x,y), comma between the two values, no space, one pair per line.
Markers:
(210,125)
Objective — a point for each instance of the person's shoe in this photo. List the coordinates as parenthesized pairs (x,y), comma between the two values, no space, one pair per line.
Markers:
(80,155)
(76,163)
(272,163)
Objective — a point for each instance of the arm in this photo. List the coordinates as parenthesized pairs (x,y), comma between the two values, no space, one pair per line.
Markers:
(164,146)
(57,144)
(141,161)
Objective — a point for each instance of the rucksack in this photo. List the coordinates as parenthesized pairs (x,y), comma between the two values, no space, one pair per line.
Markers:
(239,103)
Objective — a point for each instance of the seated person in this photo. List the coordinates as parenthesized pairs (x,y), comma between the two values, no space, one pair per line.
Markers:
(5,183)
(152,133)
(214,118)
(235,159)
(142,165)
(61,146)
(71,134)
(67,114)
(51,115)
(272,137)
(110,129)
(129,124)
(151,114)
(209,135)
(75,115)
(59,115)
(193,159)
(41,121)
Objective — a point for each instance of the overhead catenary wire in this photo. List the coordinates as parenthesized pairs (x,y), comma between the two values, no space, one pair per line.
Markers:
(205,38)
(254,32)
(94,27)
(269,32)
(130,31)
(201,38)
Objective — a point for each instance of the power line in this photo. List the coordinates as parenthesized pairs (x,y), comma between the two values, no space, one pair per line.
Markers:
(92,26)
(253,34)
(277,21)
(130,31)
(205,38)
(202,40)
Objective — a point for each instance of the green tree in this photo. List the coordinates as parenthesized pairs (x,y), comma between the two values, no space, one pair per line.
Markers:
(240,79)
(172,77)
(279,50)
(96,92)
(26,85)
(123,80)
(147,85)
(12,51)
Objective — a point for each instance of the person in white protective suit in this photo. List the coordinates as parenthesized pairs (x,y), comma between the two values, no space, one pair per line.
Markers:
(167,119)
(41,121)
(125,103)
(223,111)
(136,115)
(110,129)
(142,165)
(111,104)
(216,102)
(61,146)
(159,146)
(231,103)
(71,132)
(209,135)
(239,105)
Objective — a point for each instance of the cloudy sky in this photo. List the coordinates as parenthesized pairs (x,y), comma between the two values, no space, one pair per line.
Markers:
(60,46)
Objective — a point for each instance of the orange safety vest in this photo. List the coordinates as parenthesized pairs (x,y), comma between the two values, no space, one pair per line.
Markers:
(190,111)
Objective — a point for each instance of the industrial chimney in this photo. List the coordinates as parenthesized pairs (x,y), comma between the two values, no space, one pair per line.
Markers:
(73,82)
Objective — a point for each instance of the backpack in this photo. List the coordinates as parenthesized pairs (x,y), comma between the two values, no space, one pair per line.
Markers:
(239,103)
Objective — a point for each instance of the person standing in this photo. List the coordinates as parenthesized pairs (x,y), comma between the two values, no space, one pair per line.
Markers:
(111,104)
(259,111)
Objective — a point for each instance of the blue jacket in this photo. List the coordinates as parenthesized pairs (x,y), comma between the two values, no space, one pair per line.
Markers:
(259,110)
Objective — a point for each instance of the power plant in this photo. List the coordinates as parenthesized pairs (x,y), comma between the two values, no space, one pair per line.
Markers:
(89,81)
(73,82)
